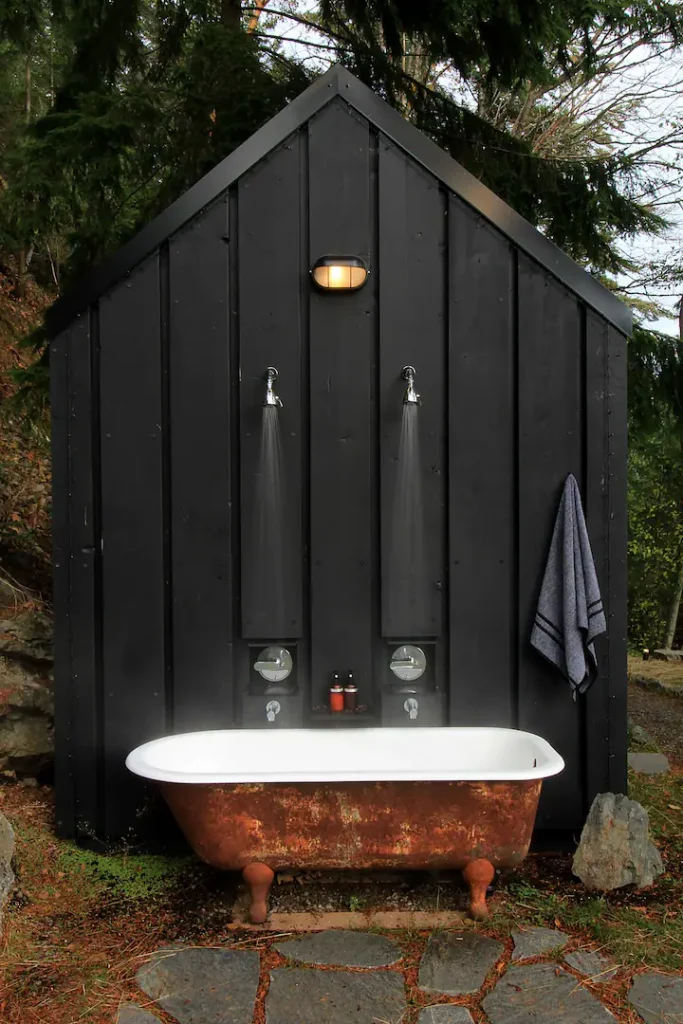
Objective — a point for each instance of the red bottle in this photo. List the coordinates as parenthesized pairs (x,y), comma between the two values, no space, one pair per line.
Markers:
(336,694)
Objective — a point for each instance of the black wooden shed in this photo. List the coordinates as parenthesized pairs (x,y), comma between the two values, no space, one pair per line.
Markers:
(163,598)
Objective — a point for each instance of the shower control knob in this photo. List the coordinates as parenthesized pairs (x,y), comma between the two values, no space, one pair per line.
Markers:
(274,664)
(408,662)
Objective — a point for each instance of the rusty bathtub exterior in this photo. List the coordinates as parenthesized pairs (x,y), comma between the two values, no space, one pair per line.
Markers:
(473,826)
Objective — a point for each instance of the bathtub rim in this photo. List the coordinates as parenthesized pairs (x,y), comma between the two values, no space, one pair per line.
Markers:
(551,763)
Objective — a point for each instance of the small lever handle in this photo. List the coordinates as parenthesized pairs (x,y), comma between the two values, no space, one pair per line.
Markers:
(411,707)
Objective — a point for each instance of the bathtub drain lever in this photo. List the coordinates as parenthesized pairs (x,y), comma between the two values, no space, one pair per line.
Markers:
(272,709)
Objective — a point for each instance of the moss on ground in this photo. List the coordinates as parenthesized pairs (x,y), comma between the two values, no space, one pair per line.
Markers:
(127,876)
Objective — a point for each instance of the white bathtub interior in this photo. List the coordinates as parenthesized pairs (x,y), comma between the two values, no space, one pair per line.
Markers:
(346,755)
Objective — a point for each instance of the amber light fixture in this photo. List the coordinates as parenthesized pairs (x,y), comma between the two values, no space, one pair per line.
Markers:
(339,273)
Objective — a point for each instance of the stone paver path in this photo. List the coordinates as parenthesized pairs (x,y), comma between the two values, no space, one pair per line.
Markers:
(341,948)
(456,963)
(536,941)
(591,965)
(203,986)
(445,1014)
(658,998)
(648,764)
(129,1013)
(300,996)
(356,977)
(542,994)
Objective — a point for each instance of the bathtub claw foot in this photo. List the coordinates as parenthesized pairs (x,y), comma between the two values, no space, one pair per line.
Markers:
(259,878)
(478,874)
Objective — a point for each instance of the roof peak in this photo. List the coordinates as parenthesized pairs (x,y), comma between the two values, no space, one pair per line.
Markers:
(338,81)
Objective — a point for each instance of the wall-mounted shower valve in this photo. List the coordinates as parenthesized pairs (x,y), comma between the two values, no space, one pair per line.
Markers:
(408,662)
(410,706)
(273,709)
(274,664)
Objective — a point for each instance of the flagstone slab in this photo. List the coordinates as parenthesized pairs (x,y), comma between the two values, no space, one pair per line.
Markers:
(203,986)
(456,963)
(658,998)
(543,994)
(648,763)
(342,949)
(131,1013)
(592,965)
(445,1013)
(536,942)
(302,996)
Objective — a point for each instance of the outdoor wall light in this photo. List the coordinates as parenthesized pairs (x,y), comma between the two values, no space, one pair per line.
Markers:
(339,273)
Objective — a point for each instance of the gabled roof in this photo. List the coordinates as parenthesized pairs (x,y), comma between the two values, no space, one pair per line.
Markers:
(340,82)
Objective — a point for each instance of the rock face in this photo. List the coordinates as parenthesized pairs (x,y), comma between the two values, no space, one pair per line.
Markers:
(26,698)
(615,847)
(6,854)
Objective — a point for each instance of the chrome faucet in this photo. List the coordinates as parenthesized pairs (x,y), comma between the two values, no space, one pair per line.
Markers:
(411,706)
(271,398)
(272,709)
(411,396)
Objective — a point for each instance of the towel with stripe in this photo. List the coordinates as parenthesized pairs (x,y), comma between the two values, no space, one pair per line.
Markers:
(570,614)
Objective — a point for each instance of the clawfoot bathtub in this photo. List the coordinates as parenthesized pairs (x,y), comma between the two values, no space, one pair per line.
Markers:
(261,801)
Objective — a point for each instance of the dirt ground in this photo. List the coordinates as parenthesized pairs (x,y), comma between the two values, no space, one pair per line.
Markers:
(661,716)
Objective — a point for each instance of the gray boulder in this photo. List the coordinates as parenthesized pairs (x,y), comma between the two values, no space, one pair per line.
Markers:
(26,717)
(6,854)
(615,847)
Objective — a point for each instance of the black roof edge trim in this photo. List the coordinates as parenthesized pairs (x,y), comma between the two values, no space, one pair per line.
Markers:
(340,82)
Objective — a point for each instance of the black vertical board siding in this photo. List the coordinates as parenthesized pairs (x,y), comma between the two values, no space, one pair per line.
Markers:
(132,528)
(270,335)
(200,402)
(61,553)
(86,616)
(550,447)
(616,623)
(411,331)
(596,508)
(342,408)
(482,469)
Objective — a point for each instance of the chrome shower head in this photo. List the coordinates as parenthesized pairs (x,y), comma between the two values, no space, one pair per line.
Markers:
(270,397)
(411,396)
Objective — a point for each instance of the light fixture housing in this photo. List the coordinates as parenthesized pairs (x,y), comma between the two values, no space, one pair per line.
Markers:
(340,273)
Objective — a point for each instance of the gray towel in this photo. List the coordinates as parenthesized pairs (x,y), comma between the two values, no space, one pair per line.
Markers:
(570,614)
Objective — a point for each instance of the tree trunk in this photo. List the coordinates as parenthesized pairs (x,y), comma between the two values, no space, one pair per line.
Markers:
(674,608)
